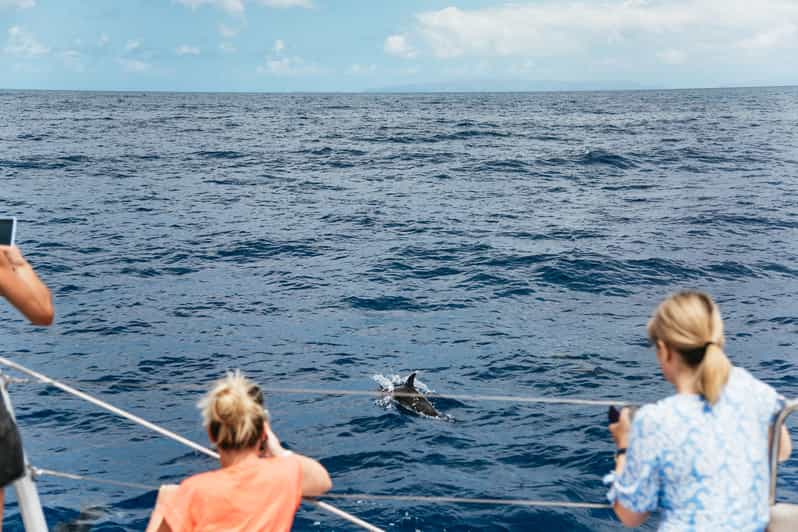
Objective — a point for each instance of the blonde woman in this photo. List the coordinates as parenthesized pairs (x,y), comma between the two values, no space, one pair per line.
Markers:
(700,455)
(259,485)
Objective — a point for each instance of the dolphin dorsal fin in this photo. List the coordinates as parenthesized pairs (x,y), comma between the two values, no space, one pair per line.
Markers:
(411,380)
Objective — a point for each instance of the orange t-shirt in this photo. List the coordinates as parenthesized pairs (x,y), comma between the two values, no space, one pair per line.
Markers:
(254,495)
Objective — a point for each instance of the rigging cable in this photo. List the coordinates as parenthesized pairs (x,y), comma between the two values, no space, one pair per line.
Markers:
(37,472)
(164,432)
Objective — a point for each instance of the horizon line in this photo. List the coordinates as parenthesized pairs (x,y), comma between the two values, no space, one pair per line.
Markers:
(406,91)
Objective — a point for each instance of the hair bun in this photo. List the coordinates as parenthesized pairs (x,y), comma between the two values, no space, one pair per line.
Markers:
(233,417)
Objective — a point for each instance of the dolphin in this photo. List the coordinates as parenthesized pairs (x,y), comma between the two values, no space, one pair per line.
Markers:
(408,396)
(83,523)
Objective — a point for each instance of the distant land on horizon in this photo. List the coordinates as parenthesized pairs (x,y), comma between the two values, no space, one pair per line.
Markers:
(547,86)
(481,85)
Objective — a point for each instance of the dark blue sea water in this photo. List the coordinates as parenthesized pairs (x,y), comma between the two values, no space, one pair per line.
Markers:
(496,243)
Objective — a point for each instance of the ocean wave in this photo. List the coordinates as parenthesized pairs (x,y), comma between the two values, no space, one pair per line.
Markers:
(602,157)
(472,236)
(257,249)
(327,150)
(222,154)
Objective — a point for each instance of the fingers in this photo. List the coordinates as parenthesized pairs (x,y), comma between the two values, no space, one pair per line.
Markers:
(620,429)
(13,255)
(625,416)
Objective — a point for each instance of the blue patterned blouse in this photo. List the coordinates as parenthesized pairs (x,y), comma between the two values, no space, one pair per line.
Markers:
(705,468)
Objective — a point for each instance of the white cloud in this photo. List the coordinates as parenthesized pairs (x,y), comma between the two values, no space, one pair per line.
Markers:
(397,45)
(185,49)
(72,60)
(103,40)
(21,42)
(135,66)
(550,28)
(672,56)
(231,6)
(286,3)
(358,69)
(132,45)
(227,32)
(227,48)
(19,4)
(781,36)
(236,7)
(524,68)
(279,65)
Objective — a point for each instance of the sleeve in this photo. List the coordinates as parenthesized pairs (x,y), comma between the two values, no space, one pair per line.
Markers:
(772,402)
(177,508)
(637,487)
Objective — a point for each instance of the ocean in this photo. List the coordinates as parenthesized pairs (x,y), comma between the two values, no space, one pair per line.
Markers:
(498,244)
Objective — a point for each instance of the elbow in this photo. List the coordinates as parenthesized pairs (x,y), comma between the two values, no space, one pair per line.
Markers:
(629,523)
(43,316)
(629,518)
(321,485)
(324,484)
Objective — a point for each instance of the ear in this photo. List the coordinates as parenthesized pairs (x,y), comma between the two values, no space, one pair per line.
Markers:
(669,353)
(662,349)
(664,353)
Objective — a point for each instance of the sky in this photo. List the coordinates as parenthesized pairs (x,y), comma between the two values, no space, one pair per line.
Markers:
(356,45)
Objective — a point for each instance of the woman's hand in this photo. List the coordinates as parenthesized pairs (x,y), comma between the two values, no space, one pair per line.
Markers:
(13,256)
(620,430)
(273,446)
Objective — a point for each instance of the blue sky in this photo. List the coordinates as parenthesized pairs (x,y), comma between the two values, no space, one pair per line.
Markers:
(353,45)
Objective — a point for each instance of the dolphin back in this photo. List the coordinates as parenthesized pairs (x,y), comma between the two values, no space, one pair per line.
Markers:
(415,402)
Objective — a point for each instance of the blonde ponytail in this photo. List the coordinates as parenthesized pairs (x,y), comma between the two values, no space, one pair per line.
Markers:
(690,323)
(231,414)
(713,372)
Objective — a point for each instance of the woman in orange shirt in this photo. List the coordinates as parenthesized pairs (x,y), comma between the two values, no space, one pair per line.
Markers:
(254,490)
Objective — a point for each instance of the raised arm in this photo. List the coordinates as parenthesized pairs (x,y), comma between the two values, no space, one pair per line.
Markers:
(620,433)
(315,479)
(20,285)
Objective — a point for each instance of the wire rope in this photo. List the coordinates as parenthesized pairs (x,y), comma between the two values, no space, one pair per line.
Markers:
(37,472)
(164,432)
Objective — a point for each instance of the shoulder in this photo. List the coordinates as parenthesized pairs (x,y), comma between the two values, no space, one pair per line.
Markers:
(647,423)
(744,388)
(287,464)
(743,378)
(654,413)
(666,413)
(743,385)
(199,482)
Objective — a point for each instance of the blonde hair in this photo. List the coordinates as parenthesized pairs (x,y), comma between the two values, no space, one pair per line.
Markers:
(232,414)
(690,323)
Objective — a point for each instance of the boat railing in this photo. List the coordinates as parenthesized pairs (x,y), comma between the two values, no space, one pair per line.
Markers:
(784,516)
